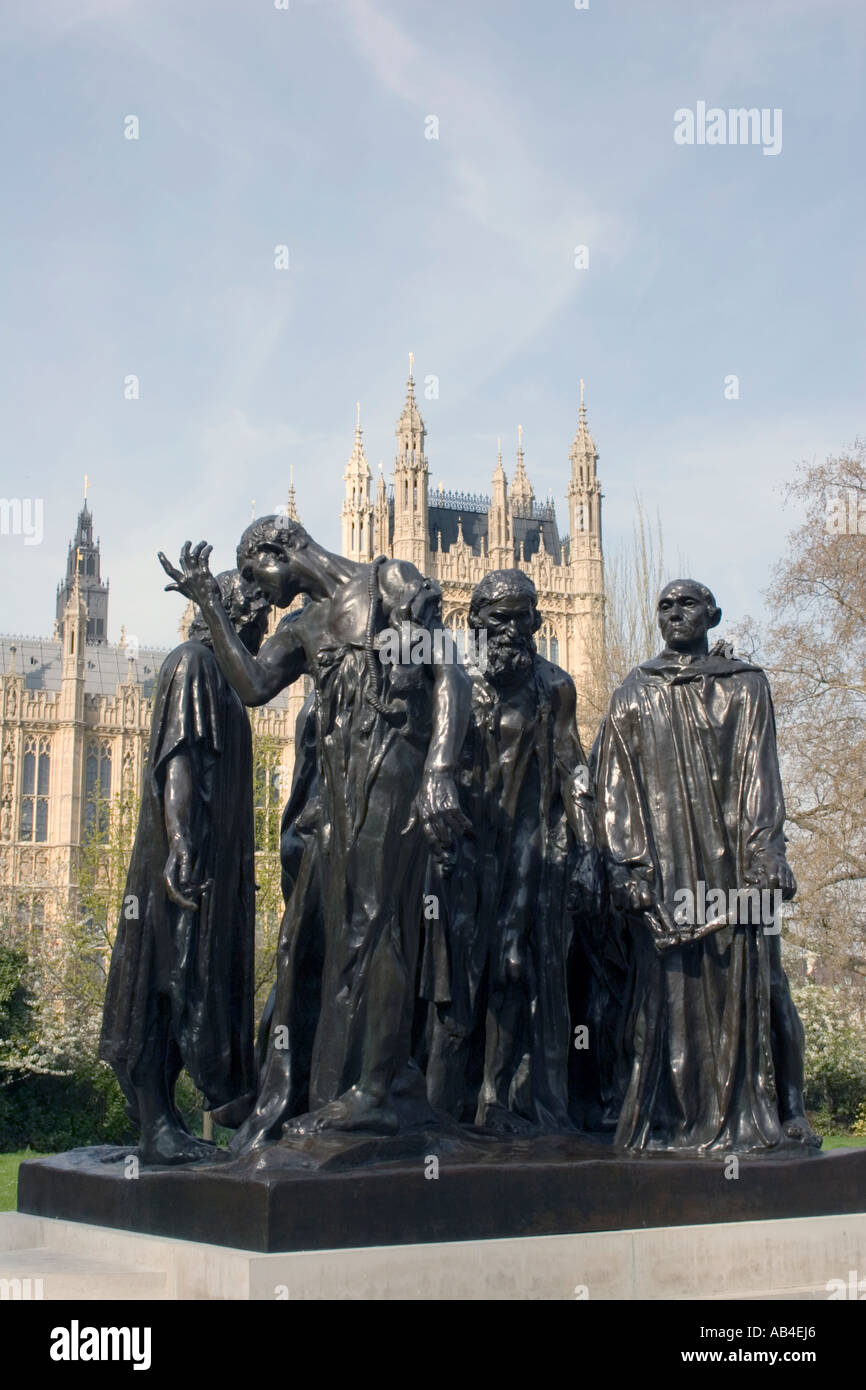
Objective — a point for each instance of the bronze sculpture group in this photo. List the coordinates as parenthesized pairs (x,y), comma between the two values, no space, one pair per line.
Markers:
(424,780)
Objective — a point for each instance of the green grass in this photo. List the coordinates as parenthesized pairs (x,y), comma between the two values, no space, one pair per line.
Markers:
(9,1177)
(843,1141)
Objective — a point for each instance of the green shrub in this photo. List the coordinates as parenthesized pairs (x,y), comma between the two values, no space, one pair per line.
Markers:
(835,1060)
(52,1113)
(48,1102)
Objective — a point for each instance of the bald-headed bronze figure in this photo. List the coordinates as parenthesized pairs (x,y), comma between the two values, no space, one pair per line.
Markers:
(691,822)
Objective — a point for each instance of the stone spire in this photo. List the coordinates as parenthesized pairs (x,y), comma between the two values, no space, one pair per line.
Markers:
(410,427)
(357,507)
(411,481)
(382,541)
(583,451)
(586,564)
(500,541)
(521,488)
(74,640)
(584,494)
(499,471)
(291,509)
(66,808)
(83,565)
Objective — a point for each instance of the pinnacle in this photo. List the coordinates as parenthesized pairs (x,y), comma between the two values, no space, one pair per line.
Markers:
(410,421)
(583,445)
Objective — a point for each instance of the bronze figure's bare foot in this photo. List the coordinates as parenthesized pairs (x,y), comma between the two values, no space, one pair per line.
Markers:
(501,1120)
(354,1110)
(168,1144)
(252,1136)
(799,1129)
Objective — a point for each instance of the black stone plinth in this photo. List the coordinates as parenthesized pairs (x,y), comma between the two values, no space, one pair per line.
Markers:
(313,1199)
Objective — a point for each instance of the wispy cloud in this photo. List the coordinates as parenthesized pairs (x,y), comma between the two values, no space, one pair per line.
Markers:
(530,218)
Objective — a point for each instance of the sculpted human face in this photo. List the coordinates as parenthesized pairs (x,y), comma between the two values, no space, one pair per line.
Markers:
(685,618)
(510,622)
(250,613)
(274,574)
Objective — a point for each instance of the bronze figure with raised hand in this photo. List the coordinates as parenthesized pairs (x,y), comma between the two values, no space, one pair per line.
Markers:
(388,742)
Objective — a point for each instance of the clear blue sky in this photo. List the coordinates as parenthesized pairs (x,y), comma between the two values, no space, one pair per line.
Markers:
(260,126)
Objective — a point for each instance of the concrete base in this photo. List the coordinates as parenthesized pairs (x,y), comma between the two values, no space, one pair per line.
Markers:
(785,1259)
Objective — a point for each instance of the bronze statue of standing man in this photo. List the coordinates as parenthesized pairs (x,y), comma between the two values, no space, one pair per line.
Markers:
(388,741)
(690,804)
(500,985)
(180,983)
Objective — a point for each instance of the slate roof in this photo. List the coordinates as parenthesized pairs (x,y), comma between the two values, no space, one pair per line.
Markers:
(40,661)
(446,509)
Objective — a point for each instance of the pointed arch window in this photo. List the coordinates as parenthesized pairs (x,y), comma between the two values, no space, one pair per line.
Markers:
(35,786)
(547,642)
(97,788)
(457,625)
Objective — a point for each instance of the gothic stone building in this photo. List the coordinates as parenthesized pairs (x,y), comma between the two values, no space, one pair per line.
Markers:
(75,710)
(74,728)
(458,537)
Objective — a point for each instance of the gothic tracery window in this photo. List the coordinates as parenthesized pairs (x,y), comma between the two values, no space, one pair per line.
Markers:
(97,787)
(35,784)
(547,642)
(456,625)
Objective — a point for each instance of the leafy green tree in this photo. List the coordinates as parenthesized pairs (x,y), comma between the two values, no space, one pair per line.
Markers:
(813,645)
(269,796)
(74,972)
(17,1026)
(835,1061)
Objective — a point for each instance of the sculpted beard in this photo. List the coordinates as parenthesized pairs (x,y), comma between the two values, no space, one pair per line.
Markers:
(508,659)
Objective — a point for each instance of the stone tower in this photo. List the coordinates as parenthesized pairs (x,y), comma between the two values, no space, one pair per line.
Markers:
(69,742)
(500,538)
(83,563)
(585,548)
(382,523)
(410,539)
(357,507)
(522,496)
(457,537)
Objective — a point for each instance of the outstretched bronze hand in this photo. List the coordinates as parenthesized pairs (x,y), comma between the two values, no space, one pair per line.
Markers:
(194,579)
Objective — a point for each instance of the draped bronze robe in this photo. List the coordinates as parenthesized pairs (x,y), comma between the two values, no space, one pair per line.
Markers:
(347,953)
(504,908)
(196,965)
(689,789)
